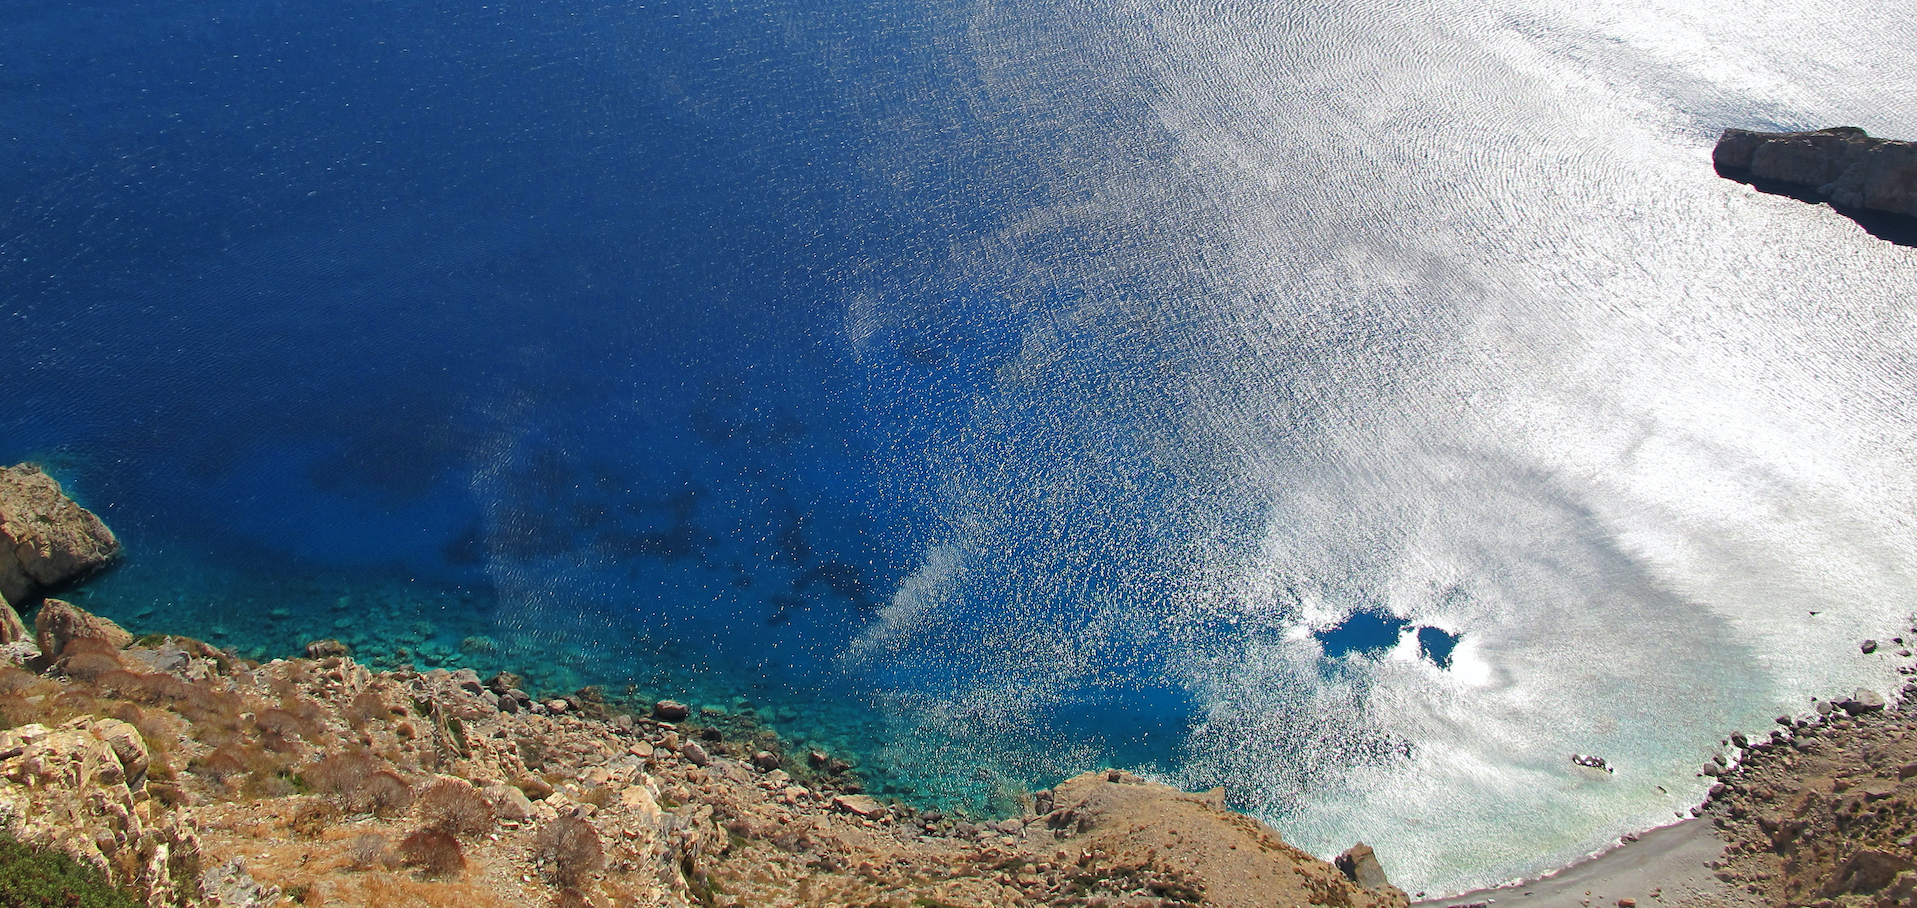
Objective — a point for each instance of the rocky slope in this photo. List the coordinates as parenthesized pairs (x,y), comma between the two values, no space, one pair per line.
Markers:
(1824,811)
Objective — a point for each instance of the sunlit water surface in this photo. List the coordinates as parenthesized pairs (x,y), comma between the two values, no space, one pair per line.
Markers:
(1000,390)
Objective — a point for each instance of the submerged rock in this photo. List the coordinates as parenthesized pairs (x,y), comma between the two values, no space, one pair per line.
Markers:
(671,711)
(1843,165)
(321,649)
(46,540)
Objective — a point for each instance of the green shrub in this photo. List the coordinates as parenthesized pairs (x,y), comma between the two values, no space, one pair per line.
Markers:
(36,877)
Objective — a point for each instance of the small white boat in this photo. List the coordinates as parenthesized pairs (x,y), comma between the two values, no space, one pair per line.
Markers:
(1587,761)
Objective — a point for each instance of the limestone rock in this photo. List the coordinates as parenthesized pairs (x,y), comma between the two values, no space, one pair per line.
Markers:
(1843,165)
(60,623)
(45,538)
(68,787)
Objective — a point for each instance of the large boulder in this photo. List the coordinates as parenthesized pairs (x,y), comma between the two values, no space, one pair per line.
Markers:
(1843,165)
(46,540)
(60,623)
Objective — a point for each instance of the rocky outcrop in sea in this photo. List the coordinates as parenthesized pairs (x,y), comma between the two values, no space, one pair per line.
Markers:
(1842,165)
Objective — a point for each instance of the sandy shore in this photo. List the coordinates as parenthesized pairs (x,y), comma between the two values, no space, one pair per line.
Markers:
(1666,866)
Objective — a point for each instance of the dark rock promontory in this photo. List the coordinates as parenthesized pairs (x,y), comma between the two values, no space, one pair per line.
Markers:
(1842,165)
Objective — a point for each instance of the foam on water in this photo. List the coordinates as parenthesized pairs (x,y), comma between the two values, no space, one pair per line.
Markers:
(1000,390)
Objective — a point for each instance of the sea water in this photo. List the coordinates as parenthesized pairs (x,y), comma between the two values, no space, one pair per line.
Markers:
(1362,407)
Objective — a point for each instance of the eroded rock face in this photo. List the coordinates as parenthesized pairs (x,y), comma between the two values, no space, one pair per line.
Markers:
(45,538)
(1843,164)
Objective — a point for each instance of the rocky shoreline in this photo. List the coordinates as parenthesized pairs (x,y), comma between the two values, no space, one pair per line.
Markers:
(193,778)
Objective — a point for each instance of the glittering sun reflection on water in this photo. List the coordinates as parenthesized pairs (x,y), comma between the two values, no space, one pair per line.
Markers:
(1452,321)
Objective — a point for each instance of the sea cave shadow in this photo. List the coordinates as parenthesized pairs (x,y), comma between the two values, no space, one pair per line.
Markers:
(1891,228)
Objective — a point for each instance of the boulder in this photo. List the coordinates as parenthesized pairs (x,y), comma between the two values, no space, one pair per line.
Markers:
(670,711)
(508,803)
(1863,700)
(1360,864)
(60,623)
(1843,165)
(860,806)
(46,540)
(504,682)
(694,754)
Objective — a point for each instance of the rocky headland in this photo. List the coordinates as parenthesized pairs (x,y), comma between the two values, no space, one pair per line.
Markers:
(1842,165)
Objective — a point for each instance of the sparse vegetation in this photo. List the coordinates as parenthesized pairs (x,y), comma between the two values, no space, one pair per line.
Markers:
(570,850)
(434,851)
(455,806)
(368,851)
(37,877)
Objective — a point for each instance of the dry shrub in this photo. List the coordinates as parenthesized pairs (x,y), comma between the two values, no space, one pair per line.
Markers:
(223,763)
(123,684)
(88,666)
(597,796)
(164,688)
(340,774)
(367,706)
(569,898)
(383,794)
(283,723)
(312,817)
(570,849)
(128,713)
(75,700)
(369,850)
(13,679)
(455,806)
(434,851)
(16,709)
(203,704)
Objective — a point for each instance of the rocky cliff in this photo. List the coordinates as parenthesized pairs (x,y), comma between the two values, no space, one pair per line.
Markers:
(1842,165)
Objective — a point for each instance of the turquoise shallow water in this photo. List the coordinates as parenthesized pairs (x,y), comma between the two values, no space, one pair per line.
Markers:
(997,390)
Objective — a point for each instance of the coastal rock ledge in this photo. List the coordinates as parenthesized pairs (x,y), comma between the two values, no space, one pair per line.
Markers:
(1842,165)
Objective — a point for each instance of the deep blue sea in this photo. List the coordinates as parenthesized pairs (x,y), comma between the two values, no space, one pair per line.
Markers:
(1363,407)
